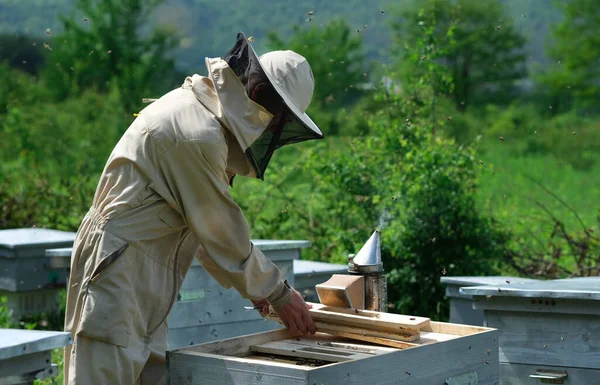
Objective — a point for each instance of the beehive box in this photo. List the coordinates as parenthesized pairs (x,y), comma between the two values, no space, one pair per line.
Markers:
(25,280)
(205,311)
(25,355)
(548,330)
(446,354)
(461,305)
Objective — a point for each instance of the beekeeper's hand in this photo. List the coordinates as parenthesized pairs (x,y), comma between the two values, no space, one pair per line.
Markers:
(262,307)
(295,315)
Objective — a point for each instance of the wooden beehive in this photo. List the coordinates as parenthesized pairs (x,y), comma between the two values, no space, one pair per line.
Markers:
(548,330)
(445,354)
(25,280)
(461,305)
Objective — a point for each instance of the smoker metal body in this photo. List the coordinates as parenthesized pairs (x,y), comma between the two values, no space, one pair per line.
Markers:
(368,264)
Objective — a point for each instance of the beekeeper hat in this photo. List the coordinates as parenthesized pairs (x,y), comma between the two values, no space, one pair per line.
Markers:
(291,76)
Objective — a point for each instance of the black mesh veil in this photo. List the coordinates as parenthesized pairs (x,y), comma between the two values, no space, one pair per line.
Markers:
(290,129)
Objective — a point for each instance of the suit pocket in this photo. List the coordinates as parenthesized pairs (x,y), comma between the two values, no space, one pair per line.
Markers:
(108,301)
(171,218)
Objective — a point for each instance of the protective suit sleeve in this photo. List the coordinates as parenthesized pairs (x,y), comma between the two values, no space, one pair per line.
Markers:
(194,172)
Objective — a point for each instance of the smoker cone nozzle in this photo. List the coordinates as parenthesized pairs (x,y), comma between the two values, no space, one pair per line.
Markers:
(369,255)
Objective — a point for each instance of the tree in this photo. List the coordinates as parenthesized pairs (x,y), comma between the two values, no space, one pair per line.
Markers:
(488,50)
(576,50)
(108,47)
(336,58)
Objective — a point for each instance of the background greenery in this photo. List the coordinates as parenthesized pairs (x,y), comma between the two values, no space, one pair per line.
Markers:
(467,131)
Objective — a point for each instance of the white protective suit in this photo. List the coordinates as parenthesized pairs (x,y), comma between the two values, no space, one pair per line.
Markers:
(162,200)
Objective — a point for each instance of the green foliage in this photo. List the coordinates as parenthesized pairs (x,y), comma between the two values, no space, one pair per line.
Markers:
(6,321)
(487,54)
(569,137)
(549,207)
(108,50)
(57,358)
(52,152)
(576,46)
(335,54)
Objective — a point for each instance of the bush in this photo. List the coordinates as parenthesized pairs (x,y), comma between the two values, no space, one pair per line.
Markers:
(52,153)
(6,321)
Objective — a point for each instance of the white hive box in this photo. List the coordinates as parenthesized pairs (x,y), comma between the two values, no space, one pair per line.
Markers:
(449,355)
(461,305)
(205,311)
(25,355)
(548,330)
(25,279)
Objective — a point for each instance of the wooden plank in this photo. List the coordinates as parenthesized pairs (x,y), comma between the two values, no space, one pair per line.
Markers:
(374,340)
(326,328)
(429,364)
(360,334)
(432,337)
(268,359)
(455,329)
(518,374)
(339,344)
(324,353)
(547,339)
(368,319)
(451,331)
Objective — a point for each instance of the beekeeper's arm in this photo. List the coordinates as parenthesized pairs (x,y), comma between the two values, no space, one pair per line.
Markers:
(195,174)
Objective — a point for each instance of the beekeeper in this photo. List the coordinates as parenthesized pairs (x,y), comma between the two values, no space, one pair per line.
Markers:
(163,199)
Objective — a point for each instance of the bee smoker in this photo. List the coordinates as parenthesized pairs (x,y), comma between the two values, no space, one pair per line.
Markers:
(368,264)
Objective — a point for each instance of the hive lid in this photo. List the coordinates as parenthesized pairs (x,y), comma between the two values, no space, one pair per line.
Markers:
(571,288)
(12,240)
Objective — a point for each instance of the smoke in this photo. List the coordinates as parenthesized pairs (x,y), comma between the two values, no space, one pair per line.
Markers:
(384,220)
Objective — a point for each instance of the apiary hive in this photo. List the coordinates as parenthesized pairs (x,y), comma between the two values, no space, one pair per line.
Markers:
(446,354)
(29,286)
(461,305)
(548,330)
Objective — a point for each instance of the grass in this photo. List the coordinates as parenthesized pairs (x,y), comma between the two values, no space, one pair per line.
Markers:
(507,192)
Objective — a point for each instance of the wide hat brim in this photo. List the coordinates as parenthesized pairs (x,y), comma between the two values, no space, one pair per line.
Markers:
(300,115)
